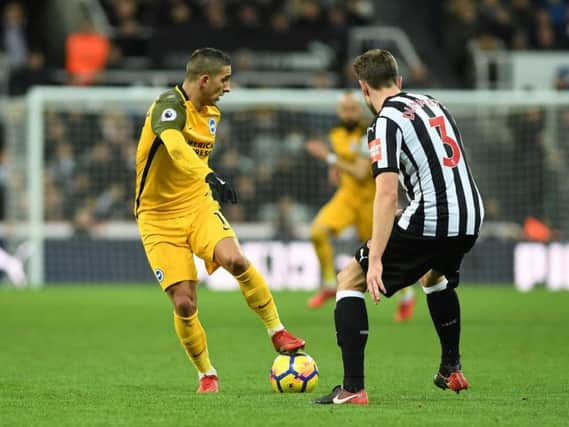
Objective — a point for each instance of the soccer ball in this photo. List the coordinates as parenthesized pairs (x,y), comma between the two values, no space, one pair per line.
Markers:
(293,373)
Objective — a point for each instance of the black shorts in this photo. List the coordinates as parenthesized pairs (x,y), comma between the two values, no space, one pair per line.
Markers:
(408,257)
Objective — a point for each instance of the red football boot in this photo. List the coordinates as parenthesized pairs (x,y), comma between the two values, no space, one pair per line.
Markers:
(208,384)
(285,342)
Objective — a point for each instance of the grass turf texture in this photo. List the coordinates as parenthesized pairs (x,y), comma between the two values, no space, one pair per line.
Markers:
(109,356)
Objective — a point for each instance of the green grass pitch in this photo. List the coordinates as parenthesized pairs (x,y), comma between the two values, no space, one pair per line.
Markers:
(72,356)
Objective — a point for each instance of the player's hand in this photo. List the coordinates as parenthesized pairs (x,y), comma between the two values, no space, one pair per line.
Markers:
(221,190)
(374,282)
(317,148)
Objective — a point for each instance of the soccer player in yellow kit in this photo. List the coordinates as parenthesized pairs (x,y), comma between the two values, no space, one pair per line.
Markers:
(352,204)
(177,206)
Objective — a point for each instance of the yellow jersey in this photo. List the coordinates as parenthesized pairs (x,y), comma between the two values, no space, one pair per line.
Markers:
(163,187)
(348,145)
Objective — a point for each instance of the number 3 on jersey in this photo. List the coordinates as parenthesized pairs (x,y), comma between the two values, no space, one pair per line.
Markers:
(454,158)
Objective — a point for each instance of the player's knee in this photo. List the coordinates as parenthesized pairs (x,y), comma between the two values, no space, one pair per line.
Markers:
(185,305)
(184,298)
(430,278)
(346,281)
(342,280)
(235,263)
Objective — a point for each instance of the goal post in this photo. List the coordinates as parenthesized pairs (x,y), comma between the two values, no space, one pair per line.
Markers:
(76,203)
(35,167)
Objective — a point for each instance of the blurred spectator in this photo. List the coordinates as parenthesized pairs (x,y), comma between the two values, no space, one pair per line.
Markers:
(359,12)
(14,38)
(461,27)
(87,53)
(280,23)
(284,223)
(112,203)
(126,17)
(544,34)
(558,11)
(83,223)
(310,16)
(98,165)
(53,199)
(337,17)
(33,73)
(24,53)
(248,18)
(177,13)
(62,167)
(522,21)
(215,15)
(494,21)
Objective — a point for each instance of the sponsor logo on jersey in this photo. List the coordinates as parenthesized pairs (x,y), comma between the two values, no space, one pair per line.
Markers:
(168,115)
(375,150)
(212,125)
(159,275)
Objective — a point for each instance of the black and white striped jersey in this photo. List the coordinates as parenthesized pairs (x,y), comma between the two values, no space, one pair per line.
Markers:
(416,136)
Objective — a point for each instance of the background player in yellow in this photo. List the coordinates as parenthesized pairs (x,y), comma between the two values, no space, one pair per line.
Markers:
(177,206)
(352,203)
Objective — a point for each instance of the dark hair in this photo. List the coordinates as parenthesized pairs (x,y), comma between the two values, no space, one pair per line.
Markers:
(377,67)
(206,60)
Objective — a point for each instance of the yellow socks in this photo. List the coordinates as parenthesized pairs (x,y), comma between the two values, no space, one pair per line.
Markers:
(325,254)
(259,298)
(193,338)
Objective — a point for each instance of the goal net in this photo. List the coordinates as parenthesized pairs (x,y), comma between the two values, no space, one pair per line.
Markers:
(70,154)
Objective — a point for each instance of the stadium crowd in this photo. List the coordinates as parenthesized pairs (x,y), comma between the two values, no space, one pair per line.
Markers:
(152,34)
(90,159)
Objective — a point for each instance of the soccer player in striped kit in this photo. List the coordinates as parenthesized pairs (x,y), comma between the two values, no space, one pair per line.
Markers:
(352,203)
(413,139)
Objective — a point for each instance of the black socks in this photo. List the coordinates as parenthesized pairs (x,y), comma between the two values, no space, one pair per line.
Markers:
(351,331)
(445,312)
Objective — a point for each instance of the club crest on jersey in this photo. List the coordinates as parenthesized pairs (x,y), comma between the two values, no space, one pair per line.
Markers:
(168,115)
(375,150)
(212,125)
(159,275)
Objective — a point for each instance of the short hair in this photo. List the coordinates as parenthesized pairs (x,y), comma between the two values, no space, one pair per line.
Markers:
(206,60)
(377,67)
